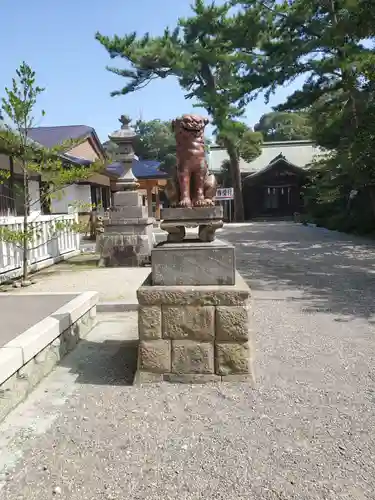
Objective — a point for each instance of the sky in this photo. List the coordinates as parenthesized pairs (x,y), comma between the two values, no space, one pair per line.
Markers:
(57,39)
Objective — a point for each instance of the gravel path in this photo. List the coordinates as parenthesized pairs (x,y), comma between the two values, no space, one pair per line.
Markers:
(306,432)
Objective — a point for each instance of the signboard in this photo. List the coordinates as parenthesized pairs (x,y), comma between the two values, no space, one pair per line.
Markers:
(224,194)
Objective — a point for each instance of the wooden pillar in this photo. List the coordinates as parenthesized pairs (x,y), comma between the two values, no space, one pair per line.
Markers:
(149,199)
(157,214)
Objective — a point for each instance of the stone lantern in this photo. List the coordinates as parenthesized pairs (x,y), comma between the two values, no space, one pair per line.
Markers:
(124,154)
(127,238)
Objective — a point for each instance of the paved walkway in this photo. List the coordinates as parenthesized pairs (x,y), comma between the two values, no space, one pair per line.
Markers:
(306,432)
(19,313)
(81,274)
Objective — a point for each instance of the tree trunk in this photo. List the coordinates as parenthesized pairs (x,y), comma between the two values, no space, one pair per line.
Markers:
(235,174)
(25,249)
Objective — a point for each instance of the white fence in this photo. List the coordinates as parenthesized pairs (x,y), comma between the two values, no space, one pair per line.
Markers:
(49,244)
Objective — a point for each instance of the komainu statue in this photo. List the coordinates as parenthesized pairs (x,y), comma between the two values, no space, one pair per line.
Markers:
(191,185)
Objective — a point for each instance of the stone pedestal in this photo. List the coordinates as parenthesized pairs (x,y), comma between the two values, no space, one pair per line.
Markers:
(194,334)
(176,220)
(193,263)
(127,237)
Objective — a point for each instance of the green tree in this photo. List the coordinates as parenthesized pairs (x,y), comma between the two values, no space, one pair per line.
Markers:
(284,126)
(248,146)
(199,52)
(330,44)
(155,141)
(18,105)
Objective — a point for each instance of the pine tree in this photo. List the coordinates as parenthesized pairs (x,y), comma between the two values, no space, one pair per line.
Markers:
(200,54)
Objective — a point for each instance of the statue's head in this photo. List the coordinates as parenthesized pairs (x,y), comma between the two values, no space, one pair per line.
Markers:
(190,123)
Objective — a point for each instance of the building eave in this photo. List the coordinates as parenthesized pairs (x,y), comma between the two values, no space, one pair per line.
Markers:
(274,164)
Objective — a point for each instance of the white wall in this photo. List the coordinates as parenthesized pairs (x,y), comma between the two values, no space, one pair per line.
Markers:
(34,193)
(77,196)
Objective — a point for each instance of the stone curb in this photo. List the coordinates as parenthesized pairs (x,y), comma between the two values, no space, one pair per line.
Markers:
(112,307)
(20,350)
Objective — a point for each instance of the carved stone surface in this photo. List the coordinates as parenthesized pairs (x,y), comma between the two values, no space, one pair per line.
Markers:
(189,356)
(205,334)
(192,214)
(122,249)
(191,184)
(127,238)
(197,323)
(232,323)
(208,219)
(206,232)
(176,233)
(193,263)
(219,295)
(149,322)
(154,356)
(232,358)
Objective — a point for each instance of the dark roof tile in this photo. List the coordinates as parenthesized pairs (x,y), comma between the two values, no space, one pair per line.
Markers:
(52,136)
(142,169)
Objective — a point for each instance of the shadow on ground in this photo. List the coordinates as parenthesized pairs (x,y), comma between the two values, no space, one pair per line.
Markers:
(335,272)
(111,362)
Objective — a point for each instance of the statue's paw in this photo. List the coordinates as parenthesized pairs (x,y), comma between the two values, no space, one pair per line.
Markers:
(204,202)
(200,202)
(185,203)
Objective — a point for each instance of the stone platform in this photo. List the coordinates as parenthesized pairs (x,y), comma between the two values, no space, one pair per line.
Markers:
(193,263)
(207,219)
(194,334)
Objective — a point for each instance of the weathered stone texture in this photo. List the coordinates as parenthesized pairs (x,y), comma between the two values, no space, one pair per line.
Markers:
(191,378)
(149,322)
(205,333)
(189,322)
(205,295)
(154,356)
(232,323)
(147,378)
(122,249)
(192,357)
(193,213)
(193,263)
(232,358)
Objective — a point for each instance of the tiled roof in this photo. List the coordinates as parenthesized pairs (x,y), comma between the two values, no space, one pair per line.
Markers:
(52,136)
(298,153)
(142,169)
(148,169)
(76,160)
(277,161)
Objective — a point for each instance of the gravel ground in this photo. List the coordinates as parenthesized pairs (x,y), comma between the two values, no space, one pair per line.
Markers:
(305,432)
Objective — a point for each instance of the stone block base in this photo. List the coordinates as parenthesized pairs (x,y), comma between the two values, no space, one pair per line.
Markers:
(194,334)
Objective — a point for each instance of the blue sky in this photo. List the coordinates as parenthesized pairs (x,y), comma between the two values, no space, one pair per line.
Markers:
(57,40)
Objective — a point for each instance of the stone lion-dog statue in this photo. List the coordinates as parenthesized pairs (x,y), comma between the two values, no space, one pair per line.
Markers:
(191,185)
